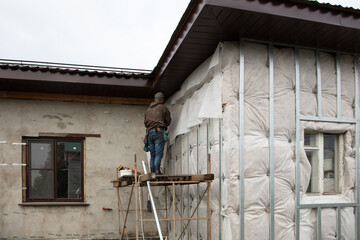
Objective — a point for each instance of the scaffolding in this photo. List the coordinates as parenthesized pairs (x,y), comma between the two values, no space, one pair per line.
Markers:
(169,182)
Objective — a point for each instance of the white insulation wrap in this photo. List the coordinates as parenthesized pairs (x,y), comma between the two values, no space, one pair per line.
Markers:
(205,113)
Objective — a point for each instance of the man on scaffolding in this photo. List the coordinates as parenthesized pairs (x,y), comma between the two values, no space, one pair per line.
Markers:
(157,119)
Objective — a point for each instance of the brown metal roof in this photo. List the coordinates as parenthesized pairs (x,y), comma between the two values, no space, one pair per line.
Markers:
(72,68)
(204,24)
(55,78)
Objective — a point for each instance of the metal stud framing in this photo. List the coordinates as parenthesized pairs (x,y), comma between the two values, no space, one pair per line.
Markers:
(271,141)
(221,181)
(319,118)
(197,172)
(338,85)
(318,83)
(181,187)
(207,154)
(299,118)
(241,139)
(318,230)
(297,149)
(357,183)
(338,225)
(188,170)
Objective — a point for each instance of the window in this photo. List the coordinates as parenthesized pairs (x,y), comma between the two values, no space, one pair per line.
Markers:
(325,154)
(54,169)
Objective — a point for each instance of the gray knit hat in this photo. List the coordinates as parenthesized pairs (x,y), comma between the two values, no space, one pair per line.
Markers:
(159,96)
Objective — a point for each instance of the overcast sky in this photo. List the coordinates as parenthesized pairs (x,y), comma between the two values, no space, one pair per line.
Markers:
(113,33)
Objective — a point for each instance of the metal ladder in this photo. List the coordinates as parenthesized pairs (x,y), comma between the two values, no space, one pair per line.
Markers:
(153,204)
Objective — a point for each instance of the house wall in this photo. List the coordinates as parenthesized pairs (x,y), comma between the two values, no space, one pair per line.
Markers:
(269,96)
(121,128)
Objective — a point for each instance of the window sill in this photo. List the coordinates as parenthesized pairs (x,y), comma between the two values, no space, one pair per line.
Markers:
(325,199)
(34,204)
(323,194)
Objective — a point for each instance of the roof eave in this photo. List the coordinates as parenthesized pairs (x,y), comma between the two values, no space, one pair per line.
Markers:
(319,13)
(299,11)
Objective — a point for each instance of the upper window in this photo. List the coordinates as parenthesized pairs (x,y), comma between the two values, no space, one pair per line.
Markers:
(325,154)
(54,169)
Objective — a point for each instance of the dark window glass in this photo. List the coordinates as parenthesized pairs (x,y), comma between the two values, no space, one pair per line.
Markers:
(324,150)
(310,140)
(54,169)
(68,157)
(41,155)
(329,163)
(42,182)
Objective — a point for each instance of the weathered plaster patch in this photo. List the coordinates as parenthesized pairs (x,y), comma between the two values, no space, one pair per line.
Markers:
(64,115)
(61,125)
(52,117)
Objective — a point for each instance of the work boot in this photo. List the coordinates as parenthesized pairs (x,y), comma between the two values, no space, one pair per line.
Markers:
(157,171)
(152,170)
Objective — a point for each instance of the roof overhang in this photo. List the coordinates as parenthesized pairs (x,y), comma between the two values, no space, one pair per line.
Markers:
(289,22)
(64,82)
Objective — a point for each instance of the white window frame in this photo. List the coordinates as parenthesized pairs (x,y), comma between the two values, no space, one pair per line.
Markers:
(338,163)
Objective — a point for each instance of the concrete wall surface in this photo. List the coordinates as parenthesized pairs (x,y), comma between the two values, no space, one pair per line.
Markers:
(121,129)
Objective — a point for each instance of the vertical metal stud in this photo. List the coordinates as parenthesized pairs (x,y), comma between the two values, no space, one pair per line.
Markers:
(208,138)
(175,156)
(169,155)
(271,141)
(221,182)
(197,172)
(318,212)
(174,172)
(241,139)
(181,187)
(338,85)
(318,80)
(357,127)
(297,149)
(338,223)
(207,154)
(188,171)
(174,212)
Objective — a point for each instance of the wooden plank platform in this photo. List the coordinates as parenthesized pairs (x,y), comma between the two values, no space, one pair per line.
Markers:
(163,180)
(124,181)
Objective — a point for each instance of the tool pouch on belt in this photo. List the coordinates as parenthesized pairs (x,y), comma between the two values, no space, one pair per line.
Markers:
(146,143)
(166,136)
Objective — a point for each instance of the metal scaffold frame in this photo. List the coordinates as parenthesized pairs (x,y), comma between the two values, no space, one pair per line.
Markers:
(151,179)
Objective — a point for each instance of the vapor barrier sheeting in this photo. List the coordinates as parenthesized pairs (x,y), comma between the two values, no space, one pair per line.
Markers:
(205,113)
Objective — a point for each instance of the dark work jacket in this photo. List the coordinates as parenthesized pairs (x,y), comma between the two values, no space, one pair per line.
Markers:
(157,115)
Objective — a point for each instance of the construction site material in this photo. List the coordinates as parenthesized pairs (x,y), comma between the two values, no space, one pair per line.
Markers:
(122,173)
(152,179)
(270,98)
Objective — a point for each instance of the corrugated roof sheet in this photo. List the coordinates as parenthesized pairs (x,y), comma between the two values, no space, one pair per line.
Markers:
(347,7)
(73,69)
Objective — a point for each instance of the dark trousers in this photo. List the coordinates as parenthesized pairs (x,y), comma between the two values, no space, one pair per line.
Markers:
(156,146)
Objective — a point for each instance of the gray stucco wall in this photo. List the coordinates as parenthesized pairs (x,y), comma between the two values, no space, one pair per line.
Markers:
(121,128)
